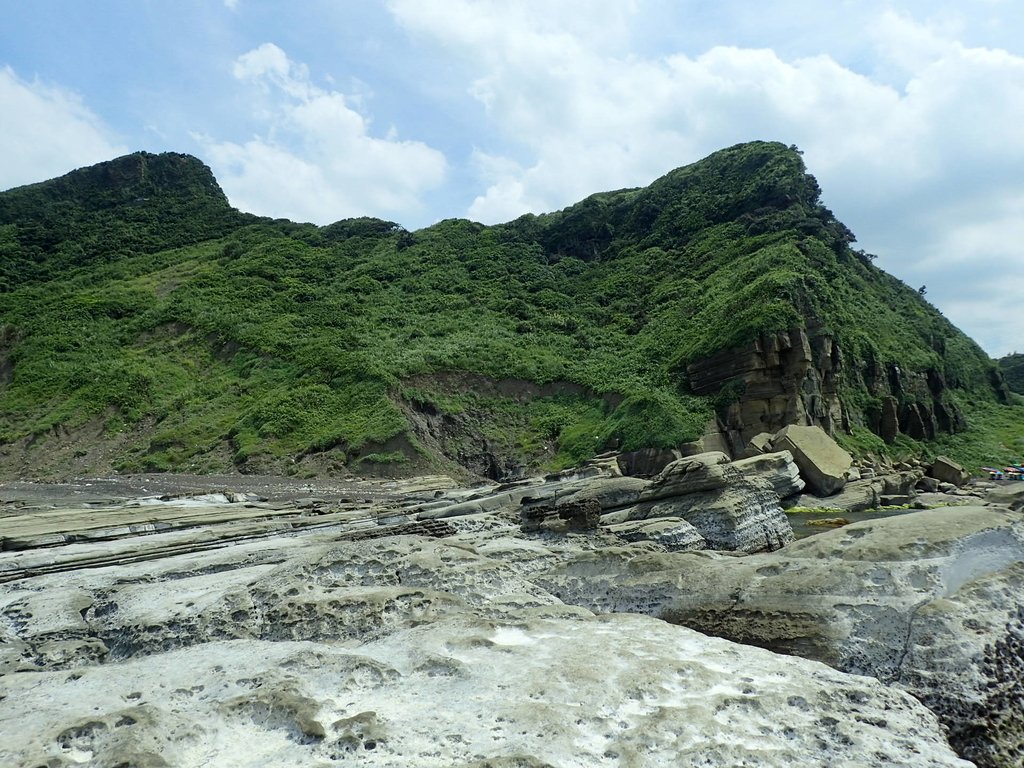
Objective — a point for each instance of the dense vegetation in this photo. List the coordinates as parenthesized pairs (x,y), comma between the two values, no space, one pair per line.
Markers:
(1012,367)
(141,310)
(140,203)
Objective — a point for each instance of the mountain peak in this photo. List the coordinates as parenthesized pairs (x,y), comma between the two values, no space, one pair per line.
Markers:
(137,203)
(125,178)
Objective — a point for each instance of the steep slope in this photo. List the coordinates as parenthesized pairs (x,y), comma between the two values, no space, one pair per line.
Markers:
(750,291)
(139,203)
(723,297)
(1012,367)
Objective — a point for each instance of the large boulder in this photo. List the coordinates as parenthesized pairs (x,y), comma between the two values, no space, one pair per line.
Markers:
(948,471)
(861,495)
(702,472)
(823,464)
(930,602)
(730,509)
(758,444)
(777,468)
(1011,495)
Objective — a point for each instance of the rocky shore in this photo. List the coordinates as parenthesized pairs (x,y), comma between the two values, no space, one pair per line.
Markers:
(581,619)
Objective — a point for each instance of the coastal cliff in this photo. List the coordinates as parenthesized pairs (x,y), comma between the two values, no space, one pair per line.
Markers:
(148,326)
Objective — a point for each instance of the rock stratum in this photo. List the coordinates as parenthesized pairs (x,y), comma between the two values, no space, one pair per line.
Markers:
(148,326)
(550,622)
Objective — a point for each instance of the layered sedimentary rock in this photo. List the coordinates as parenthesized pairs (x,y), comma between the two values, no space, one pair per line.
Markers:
(672,533)
(795,377)
(731,509)
(778,468)
(780,379)
(380,637)
(868,493)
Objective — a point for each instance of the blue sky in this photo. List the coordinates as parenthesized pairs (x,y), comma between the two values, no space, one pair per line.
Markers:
(909,113)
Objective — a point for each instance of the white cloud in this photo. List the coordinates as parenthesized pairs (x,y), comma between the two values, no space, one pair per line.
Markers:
(46,131)
(989,310)
(268,66)
(898,151)
(316,159)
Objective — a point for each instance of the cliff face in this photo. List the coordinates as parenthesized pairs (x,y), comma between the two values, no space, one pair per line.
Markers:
(799,377)
(1012,367)
(781,378)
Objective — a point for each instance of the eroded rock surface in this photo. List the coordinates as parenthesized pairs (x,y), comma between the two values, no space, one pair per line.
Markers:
(310,650)
(929,602)
(615,690)
(386,636)
(731,509)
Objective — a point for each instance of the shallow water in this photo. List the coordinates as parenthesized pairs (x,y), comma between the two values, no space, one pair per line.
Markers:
(801,527)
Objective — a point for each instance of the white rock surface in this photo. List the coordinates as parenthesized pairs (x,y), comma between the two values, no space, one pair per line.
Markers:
(930,602)
(271,641)
(310,650)
(609,691)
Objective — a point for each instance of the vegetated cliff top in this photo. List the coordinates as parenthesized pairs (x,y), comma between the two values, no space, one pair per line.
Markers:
(139,203)
(144,311)
(1012,366)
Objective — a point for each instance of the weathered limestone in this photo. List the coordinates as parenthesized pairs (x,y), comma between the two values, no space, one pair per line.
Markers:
(308,650)
(1011,495)
(501,502)
(823,464)
(610,493)
(582,515)
(703,472)
(589,691)
(673,534)
(732,506)
(860,495)
(370,640)
(929,602)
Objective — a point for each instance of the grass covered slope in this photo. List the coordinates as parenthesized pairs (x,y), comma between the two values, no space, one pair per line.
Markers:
(256,344)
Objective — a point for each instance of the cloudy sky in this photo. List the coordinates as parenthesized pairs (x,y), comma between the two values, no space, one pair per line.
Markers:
(910,114)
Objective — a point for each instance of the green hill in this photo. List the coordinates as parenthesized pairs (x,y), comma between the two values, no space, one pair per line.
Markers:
(148,326)
(1012,367)
(140,203)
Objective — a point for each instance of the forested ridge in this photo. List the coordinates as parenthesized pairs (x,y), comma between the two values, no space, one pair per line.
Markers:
(147,325)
